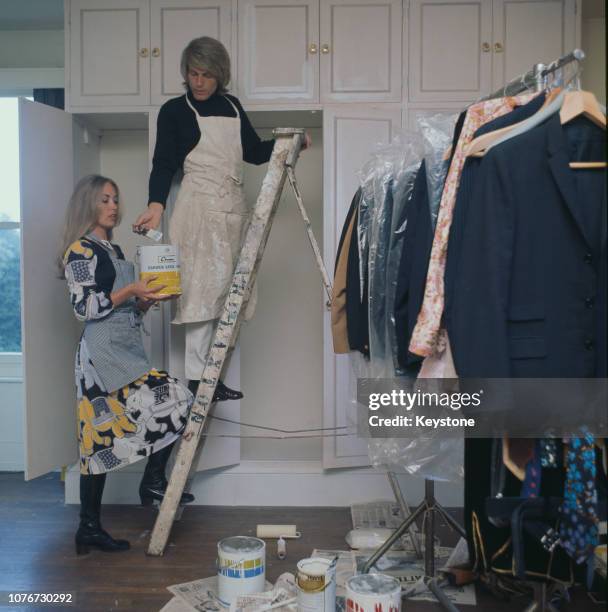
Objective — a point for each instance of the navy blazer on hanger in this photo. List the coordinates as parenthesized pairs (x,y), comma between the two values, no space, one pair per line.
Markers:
(531,296)
(417,242)
(466,188)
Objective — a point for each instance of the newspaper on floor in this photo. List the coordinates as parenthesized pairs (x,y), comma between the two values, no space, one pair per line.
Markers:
(176,605)
(202,595)
(409,570)
(282,597)
(382,514)
(376,514)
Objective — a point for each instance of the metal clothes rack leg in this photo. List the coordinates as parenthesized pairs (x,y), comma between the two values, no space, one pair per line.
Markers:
(405,513)
(428,507)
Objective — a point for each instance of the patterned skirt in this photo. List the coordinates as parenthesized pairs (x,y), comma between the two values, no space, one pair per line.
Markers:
(119,428)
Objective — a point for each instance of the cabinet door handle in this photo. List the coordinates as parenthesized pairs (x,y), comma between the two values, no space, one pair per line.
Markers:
(143,52)
(485,47)
(156,52)
(498,48)
(312,49)
(325,49)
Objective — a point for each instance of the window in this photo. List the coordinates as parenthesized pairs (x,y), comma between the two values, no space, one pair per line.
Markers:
(10,288)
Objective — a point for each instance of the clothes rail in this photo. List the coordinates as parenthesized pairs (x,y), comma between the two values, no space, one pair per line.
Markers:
(536,78)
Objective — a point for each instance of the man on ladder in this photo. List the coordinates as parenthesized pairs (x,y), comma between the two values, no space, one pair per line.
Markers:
(284,156)
(207,134)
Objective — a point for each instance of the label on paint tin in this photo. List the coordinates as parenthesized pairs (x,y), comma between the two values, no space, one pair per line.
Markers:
(162,262)
(311,574)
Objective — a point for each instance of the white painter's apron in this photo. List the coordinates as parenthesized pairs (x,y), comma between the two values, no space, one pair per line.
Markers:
(210,218)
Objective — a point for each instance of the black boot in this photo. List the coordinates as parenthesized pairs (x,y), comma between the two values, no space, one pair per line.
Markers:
(222,392)
(90,533)
(154,482)
(193,386)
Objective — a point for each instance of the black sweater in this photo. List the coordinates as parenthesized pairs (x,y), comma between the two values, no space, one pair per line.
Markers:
(177,134)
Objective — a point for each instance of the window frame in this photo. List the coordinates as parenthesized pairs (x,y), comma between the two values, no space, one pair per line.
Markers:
(9,361)
(12,362)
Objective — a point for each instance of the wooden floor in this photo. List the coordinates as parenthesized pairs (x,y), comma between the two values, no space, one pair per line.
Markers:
(37,550)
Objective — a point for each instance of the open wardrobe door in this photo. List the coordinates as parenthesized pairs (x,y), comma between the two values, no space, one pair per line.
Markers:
(49,328)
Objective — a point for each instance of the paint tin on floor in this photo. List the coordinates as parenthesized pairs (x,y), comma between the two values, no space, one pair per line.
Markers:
(241,567)
(373,593)
(161,260)
(316,581)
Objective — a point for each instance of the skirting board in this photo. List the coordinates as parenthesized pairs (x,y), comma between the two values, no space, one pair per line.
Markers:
(269,483)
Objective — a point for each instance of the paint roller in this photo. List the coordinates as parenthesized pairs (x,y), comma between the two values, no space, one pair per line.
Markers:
(281,532)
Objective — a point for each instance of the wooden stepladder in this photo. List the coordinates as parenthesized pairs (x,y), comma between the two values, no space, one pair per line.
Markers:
(282,162)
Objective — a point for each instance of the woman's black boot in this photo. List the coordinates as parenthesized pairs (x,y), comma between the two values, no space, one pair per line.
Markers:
(90,534)
(222,392)
(154,482)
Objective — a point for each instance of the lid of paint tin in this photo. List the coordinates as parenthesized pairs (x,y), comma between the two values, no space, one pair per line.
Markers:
(314,566)
(373,584)
(240,544)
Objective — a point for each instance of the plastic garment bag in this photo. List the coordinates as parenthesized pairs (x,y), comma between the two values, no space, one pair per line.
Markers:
(437,131)
(436,459)
(429,453)
(385,181)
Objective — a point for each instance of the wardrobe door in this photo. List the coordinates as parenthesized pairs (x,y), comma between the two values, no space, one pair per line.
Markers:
(109,53)
(361,50)
(173,24)
(49,329)
(450,51)
(528,32)
(278,51)
(350,134)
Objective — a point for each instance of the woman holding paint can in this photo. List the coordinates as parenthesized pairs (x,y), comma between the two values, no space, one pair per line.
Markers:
(127,410)
(208,135)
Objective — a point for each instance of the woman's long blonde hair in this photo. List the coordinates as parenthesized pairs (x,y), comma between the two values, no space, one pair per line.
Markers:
(81,214)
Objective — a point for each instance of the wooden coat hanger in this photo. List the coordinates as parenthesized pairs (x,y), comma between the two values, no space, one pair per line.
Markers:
(583,103)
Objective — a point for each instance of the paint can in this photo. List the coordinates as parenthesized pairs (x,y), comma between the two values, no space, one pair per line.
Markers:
(316,582)
(161,260)
(373,593)
(241,567)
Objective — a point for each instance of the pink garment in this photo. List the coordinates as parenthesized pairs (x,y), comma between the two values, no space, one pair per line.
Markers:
(441,363)
(425,339)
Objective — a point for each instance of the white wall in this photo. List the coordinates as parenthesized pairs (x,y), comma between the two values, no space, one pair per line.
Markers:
(31,49)
(30,58)
(282,347)
(594,67)
(291,483)
(124,158)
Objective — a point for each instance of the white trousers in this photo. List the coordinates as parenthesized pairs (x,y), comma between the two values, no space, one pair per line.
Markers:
(198,343)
